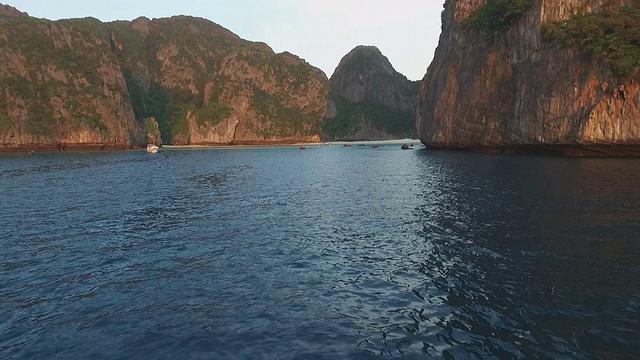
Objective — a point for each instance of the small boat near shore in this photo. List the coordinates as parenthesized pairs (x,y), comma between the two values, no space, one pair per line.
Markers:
(152,149)
(302,148)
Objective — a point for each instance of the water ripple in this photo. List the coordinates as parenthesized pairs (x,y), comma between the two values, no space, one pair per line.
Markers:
(333,253)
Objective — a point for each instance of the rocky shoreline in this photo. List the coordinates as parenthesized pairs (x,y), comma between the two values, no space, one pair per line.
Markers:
(111,147)
(236,145)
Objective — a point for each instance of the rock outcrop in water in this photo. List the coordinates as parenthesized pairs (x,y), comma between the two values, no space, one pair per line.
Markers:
(518,76)
(81,83)
(369,99)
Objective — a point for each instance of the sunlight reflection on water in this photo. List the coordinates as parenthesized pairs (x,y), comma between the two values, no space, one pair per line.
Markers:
(327,253)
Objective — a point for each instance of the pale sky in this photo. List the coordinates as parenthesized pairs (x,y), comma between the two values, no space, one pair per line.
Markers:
(320,31)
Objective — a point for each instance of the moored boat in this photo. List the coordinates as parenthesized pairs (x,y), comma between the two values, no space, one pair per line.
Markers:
(152,149)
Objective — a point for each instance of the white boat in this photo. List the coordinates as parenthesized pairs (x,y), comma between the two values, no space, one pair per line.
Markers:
(152,149)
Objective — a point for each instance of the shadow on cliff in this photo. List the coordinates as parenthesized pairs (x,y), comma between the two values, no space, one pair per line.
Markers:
(150,100)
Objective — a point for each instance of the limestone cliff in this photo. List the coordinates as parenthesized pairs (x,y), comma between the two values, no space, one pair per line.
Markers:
(60,86)
(205,85)
(81,83)
(502,84)
(370,99)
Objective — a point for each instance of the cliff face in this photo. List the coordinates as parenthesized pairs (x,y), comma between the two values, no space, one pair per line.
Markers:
(370,100)
(515,89)
(205,85)
(59,85)
(83,83)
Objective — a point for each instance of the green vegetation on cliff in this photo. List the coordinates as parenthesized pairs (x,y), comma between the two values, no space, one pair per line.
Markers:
(149,125)
(355,61)
(611,36)
(168,106)
(291,73)
(42,117)
(5,120)
(349,116)
(497,15)
(39,113)
(292,119)
(128,45)
(30,37)
(213,113)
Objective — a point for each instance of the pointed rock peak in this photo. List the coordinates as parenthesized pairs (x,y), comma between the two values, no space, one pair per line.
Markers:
(6,10)
(367,59)
(367,50)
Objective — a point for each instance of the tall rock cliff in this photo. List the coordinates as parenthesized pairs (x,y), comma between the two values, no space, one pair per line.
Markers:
(61,86)
(84,83)
(370,100)
(205,85)
(519,76)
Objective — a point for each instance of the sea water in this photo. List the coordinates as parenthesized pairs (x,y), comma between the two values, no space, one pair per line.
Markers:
(326,253)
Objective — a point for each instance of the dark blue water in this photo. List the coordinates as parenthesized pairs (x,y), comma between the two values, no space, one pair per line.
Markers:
(327,253)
